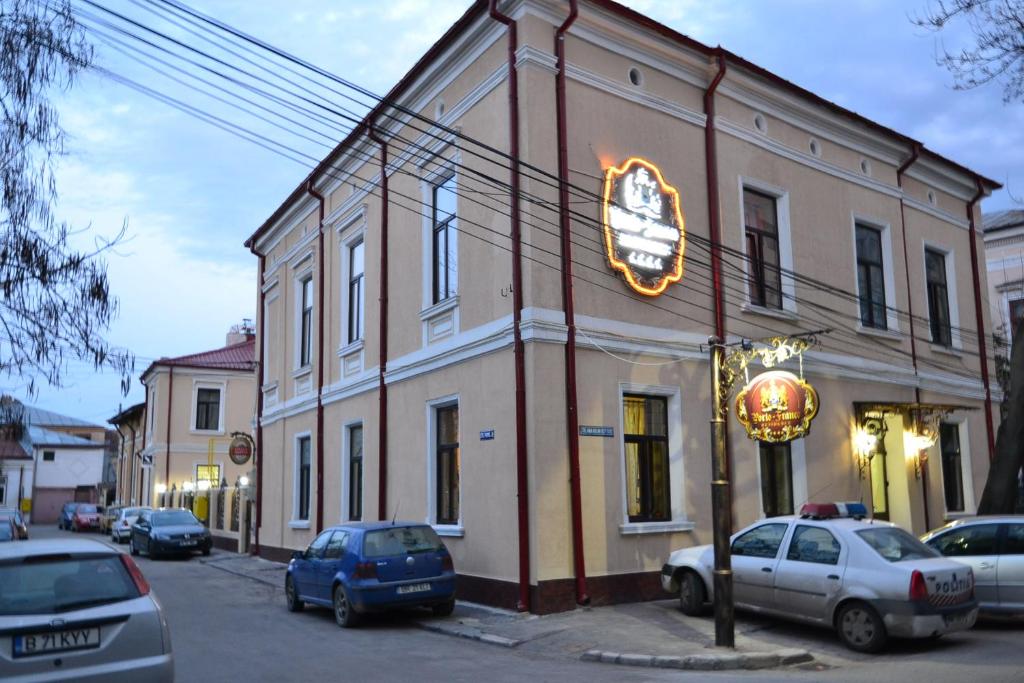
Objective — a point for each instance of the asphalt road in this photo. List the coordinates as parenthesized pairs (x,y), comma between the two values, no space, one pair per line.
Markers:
(230,628)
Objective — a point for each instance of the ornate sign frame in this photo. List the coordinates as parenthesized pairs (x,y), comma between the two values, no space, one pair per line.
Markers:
(782,408)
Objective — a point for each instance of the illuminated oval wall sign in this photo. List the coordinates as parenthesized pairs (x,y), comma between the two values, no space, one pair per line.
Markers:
(777,406)
(643,226)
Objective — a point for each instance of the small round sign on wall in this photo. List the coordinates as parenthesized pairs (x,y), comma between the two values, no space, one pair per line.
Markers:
(240,449)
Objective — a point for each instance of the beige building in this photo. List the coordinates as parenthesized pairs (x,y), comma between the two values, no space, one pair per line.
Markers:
(527,370)
(1004,261)
(128,424)
(194,406)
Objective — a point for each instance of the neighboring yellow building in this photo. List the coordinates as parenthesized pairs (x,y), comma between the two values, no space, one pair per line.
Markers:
(553,426)
(194,406)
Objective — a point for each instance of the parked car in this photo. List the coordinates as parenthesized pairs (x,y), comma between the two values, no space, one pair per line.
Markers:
(867,579)
(108,517)
(121,527)
(7,531)
(85,517)
(372,566)
(17,520)
(77,609)
(169,530)
(66,513)
(994,548)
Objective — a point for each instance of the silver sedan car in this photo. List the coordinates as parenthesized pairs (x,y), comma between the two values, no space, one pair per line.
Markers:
(78,610)
(866,579)
(994,548)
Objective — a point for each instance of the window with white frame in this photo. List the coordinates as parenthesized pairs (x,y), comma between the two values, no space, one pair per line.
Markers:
(871,277)
(776,461)
(209,474)
(952,466)
(1016,313)
(444,245)
(207,409)
(645,437)
(938,297)
(303,455)
(356,276)
(446,462)
(761,232)
(354,444)
(305,321)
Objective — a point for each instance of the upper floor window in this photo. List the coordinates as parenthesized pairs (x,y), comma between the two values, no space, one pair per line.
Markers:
(938,297)
(306,322)
(208,409)
(645,433)
(356,271)
(1016,307)
(49,456)
(870,278)
(445,257)
(761,226)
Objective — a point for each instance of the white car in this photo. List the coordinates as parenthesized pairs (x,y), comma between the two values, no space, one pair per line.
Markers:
(79,610)
(121,526)
(866,579)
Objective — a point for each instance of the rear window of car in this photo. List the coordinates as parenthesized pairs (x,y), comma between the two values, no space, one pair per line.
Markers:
(174,517)
(400,541)
(896,545)
(54,585)
(86,509)
(6,531)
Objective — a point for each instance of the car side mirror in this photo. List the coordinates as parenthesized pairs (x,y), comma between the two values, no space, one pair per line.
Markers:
(299,555)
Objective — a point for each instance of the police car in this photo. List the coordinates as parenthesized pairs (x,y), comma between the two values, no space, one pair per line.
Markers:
(830,566)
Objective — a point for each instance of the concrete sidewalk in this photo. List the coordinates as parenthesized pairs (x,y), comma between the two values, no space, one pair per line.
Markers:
(651,634)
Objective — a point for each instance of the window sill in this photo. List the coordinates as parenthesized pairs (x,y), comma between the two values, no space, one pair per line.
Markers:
(269,387)
(950,516)
(440,307)
(450,530)
(207,432)
(638,528)
(304,371)
(880,333)
(351,348)
(777,313)
(298,524)
(946,350)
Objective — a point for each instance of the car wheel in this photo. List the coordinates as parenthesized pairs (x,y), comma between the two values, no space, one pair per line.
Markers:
(344,614)
(445,609)
(692,594)
(131,546)
(206,551)
(860,628)
(291,595)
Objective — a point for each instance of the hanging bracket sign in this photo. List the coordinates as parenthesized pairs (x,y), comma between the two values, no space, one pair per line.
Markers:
(643,226)
(776,407)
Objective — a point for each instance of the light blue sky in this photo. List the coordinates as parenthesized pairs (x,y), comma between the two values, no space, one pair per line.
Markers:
(192,193)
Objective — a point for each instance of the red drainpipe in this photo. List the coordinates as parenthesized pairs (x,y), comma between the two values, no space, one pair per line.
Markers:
(145,418)
(522,483)
(259,402)
(714,215)
(382,391)
(982,351)
(572,416)
(915,152)
(320,362)
(170,399)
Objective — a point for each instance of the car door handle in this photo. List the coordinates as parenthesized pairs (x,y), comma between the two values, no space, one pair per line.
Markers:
(834,576)
(767,570)
(986,565)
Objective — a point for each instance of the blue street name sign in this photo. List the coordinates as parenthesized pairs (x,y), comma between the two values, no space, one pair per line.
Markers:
(487,435)
(586,430)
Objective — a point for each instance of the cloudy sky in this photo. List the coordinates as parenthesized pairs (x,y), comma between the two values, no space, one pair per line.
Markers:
(191,192)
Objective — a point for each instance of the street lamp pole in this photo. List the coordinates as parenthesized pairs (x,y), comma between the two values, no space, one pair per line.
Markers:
(721,503)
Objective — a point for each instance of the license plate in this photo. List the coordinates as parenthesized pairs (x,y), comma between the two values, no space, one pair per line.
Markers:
(189,543)
(414,588)
(959,619)
(58,641)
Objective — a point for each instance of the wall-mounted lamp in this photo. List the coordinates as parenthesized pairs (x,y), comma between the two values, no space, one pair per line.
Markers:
(243,480)
(916,444)
(868,439)
(161,489)
(204,485)
(188,486)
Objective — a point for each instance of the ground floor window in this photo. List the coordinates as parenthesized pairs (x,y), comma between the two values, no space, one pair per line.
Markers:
(645,437)
(302,468)
(208,473)
(952,467)
(355,472)
(776,479)
(447,460)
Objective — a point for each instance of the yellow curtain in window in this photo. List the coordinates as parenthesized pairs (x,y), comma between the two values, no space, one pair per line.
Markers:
(633,415)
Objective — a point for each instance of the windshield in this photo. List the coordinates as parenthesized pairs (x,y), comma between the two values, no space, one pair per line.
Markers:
(86,509)
(49,585)
(400,540)
(174,517)
(6,532)
(896,545)
(131,512)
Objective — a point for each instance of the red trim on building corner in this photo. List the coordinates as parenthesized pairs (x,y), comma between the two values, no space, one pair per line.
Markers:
(258,359)
(980,319)
(320,361)
(170,400)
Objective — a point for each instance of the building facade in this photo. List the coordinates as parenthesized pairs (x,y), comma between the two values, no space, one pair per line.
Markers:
(489,307)
(128,424)
(194,407)
(1004,262)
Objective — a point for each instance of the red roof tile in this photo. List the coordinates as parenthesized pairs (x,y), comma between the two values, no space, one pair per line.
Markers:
(240,356)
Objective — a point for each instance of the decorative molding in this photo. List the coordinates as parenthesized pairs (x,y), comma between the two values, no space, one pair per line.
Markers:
(641,97)
(927,208)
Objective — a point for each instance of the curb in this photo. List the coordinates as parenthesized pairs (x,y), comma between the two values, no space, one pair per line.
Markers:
(218,565)
(468,633)
(703,662)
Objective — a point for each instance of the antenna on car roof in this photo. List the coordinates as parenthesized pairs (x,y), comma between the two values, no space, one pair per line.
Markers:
(394,516)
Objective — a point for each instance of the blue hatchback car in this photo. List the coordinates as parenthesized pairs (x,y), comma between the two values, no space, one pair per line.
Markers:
(361,567)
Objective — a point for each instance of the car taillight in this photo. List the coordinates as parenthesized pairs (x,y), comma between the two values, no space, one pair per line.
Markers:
(366,570)
(447,564)
(124,523)
(136,574)
(918,589)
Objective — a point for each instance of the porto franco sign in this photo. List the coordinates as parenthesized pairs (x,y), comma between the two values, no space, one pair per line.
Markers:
(776,407)
(643,226)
